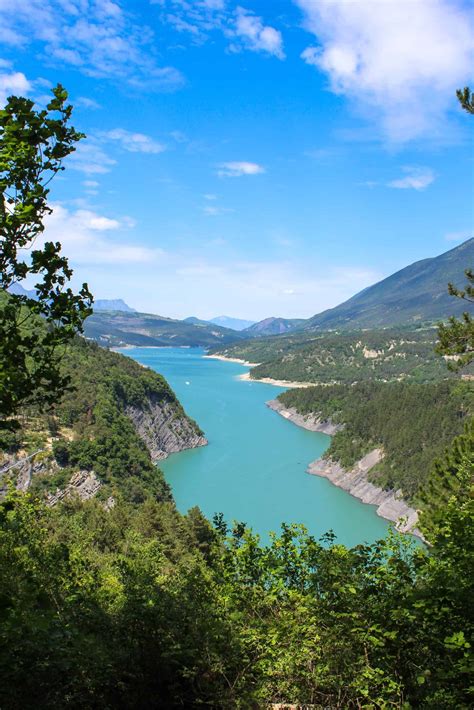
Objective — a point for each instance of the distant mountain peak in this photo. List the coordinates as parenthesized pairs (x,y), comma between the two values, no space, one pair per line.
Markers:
(113,304)
(232,323)
(274,326)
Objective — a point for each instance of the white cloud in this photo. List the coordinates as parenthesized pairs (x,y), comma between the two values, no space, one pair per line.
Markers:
(98,38)
(242,27)
(417,178)
(134,142)
(90,158)
(255,35)
(214,211)
(239,168)
(13,83)
(246,288)
(399,62)
(86,102)
(83,235)
(210,196)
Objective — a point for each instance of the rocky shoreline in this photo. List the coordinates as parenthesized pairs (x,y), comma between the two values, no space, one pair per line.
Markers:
(164,429)
(390,504)
(308,421)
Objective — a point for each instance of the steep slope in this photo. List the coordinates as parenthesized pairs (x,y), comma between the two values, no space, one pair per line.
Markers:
(106,434)
(415,294)
(273,326)
(113,328)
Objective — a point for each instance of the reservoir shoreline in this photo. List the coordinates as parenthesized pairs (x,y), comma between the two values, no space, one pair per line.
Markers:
(389,504)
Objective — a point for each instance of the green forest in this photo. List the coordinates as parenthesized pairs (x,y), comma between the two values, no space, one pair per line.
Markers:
(88,428)
(413,423)
(345,358)
(141,607)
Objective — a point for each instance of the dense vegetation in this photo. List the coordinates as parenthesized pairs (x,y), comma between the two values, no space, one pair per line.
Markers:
(345,358)
(139,607)
(89,428)
(33,146)
(413,423)
(115,328)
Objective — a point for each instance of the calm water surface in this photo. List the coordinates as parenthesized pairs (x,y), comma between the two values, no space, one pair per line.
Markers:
(254,467)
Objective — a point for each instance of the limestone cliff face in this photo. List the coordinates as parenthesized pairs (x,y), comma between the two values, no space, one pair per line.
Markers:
(164,428)
(312,422)
(390,504)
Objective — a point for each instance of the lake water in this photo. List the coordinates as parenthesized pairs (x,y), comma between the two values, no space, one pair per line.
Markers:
(254,467)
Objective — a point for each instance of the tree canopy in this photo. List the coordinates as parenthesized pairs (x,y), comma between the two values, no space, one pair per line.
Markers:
(33,146)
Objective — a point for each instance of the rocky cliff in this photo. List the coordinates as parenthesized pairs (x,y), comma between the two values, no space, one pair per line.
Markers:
(164,429)
(390,504)
(312,422)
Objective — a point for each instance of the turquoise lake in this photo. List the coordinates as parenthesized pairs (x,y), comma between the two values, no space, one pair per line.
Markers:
(254,468)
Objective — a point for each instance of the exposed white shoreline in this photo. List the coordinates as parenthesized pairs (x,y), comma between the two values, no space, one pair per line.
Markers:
(233,359)
(278,383)
(389,504)
(150,347)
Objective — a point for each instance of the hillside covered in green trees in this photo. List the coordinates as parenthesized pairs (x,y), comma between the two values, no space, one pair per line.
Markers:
(90,429)
(118,328)
(345,358)
(413,423)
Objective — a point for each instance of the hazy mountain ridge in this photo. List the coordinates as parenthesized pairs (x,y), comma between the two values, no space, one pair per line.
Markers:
(273,326)
(415,294)
(114,304)
(232,323)
(115,329)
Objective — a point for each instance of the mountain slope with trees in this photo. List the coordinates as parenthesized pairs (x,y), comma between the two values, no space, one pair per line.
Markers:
(115,329)
(415,294)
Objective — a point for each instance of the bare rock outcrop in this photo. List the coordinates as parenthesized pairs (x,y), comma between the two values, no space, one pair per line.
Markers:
(164,429)
(83,484)
(390,504)
(312,422)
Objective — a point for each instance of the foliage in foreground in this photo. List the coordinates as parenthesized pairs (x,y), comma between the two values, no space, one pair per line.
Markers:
(33,145)
(141,607)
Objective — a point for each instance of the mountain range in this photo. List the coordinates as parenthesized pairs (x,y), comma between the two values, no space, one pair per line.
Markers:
(118,328)
(115,304)
(414,295)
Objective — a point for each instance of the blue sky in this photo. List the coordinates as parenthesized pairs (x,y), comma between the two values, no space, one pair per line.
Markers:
(255,158)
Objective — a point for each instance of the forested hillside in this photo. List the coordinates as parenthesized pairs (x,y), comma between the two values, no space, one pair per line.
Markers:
(141,607)
(413,423)
(118,328)
(93,428)
(345,358)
